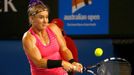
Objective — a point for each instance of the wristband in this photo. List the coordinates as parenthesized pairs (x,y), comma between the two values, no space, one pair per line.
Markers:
(54,63)
(71,60)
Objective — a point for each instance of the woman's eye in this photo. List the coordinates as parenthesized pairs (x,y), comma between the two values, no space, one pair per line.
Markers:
(41,17)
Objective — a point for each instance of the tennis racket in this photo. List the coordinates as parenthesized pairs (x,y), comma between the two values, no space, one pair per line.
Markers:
(110,66)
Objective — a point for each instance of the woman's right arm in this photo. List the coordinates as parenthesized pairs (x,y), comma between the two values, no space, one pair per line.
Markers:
(32,51)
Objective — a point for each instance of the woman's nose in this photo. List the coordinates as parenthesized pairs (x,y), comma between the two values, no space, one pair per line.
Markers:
(45,20)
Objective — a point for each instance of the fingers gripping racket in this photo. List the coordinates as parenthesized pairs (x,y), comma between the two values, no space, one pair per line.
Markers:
(110,66)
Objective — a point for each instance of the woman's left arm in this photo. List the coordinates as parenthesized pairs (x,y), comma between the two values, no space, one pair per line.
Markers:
(65,52)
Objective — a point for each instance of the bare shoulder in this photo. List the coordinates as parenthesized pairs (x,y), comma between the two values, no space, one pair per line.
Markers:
(54,28)
(27,38)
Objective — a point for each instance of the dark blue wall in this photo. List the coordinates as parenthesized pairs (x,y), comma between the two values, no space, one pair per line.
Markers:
(12,59)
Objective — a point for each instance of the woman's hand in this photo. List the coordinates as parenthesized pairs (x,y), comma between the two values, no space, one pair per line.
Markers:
(78,67)
(68,66)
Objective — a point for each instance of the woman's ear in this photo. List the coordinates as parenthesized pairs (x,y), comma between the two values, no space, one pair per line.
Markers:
(30,19)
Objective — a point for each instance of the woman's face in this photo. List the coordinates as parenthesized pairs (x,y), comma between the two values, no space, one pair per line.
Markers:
(40,20)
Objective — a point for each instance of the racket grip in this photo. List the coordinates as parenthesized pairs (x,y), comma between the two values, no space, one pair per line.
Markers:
(84,69)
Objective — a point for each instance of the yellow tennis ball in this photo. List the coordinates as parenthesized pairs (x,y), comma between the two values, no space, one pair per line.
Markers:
(98,52)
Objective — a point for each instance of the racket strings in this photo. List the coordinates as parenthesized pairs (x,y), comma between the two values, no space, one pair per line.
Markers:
(110,66)
(114,68)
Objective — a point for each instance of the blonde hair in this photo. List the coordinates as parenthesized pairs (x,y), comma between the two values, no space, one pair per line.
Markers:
(35,9)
